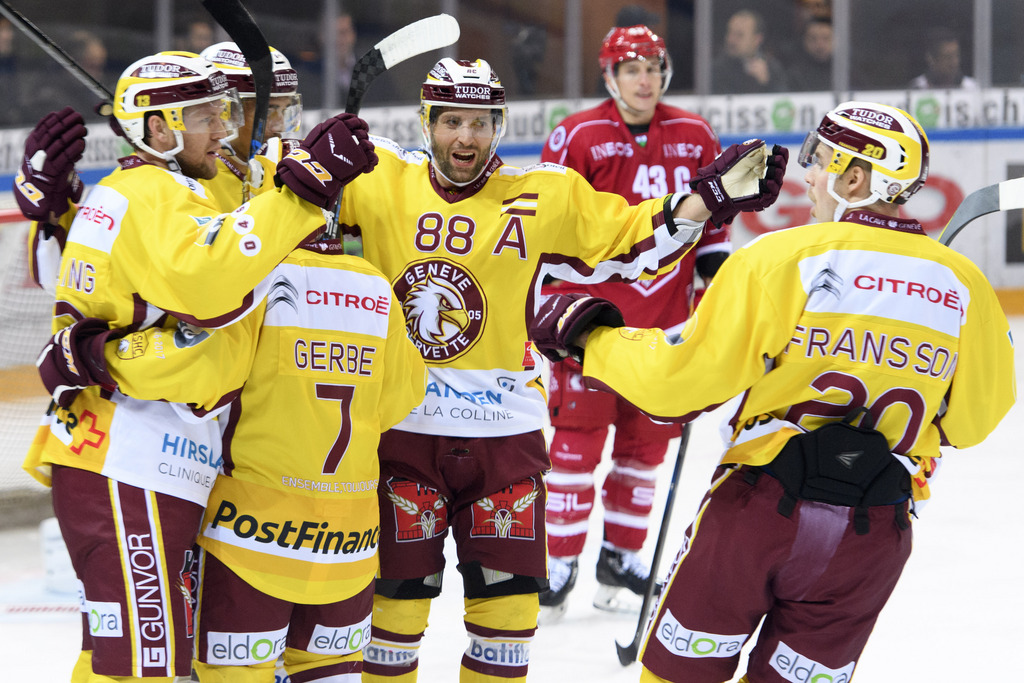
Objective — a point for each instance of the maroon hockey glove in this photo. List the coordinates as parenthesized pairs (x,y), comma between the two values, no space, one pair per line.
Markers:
(563,317)
(47,179)
(334,152)
(743,178)
(73,360)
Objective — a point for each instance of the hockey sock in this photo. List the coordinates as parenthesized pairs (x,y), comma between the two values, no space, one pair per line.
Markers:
(500,632)
(647,677)
(570,501)
(392,655)
(627,496)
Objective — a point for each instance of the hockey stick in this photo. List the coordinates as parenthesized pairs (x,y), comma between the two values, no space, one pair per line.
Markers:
(421,36)
(627,653)
(235,19)
(424,35)
(63,58)
(1004,196)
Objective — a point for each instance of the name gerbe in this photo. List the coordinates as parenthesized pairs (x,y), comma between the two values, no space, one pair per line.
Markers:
(333,356)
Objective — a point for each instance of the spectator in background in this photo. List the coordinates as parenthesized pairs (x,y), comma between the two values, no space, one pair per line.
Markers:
(349,50)
(636,15)
(198,36)
(345,43)
(528,49)
(812,68)
(48,87)
(745,67)
(942,57)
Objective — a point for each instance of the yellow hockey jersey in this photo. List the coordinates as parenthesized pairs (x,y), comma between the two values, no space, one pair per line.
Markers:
(806,324)
(467,267)
(295,512)
(147,242)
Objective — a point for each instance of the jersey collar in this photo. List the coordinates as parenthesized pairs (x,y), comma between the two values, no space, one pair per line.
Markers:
(878,220)
(457,194)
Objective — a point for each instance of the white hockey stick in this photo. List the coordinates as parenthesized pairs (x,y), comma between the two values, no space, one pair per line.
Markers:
(431,33)
(421,36)
(1004,196)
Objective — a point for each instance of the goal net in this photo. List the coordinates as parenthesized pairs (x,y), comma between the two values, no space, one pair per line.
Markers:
(24,327)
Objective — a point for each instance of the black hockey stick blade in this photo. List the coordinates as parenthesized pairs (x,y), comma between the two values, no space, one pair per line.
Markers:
(236,20)
(421,36)
(1004,196)
(61,57)
(628,653)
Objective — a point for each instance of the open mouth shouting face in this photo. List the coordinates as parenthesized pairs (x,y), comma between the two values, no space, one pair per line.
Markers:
(461,143)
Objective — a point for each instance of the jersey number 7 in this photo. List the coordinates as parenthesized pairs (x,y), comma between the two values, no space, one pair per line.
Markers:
(343,394)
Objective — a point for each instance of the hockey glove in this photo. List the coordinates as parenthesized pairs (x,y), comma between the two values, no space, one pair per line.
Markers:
(334,152)
(47,180)
(743,178)
(73,360)
(563,317)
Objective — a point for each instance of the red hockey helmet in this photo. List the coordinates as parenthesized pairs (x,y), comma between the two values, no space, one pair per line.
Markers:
(623,44)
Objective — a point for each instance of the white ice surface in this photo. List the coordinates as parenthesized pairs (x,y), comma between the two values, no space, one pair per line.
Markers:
(956,614)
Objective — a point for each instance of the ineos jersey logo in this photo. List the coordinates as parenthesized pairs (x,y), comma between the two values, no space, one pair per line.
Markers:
(444,308)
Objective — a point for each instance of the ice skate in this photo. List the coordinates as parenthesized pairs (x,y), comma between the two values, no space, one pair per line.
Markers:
(622,581)
(553,603)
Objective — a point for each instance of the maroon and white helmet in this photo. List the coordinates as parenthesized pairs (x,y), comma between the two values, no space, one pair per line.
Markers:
(175,84)
(623,44)
(229,59)
(461,83)
(887,138)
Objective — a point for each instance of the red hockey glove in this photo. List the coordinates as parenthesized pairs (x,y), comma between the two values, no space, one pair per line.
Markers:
(743,178)
(563,317)
(47,179)
(73,360)
(334,152)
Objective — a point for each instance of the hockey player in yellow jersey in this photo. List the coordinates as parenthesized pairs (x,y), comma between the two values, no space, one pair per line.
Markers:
(151,247)
(292,523)
(284,117)
(466,242)
(46,195)
(856,348)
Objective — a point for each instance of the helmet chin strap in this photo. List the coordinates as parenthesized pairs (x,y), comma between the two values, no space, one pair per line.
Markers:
(613,90)
(842,204)
(169,155)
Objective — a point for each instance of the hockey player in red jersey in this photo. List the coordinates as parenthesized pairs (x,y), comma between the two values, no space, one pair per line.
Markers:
(856,347)
(636,146)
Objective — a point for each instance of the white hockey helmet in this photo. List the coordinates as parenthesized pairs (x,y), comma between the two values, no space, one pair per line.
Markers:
(887,138)
(229,59)
(173,84)
(461,83)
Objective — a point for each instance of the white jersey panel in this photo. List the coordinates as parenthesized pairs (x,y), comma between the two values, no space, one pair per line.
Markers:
(308,298)
(917,291)
(153,449)
(98,221)
(478,403)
